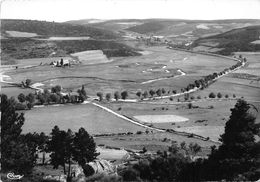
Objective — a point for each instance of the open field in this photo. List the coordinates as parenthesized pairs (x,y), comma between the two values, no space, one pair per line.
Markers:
(91,57)
(65,38)
(12,91)
(160,118)
(23,63)
(206,131)
(21,34)
(93,119)
(206,118)
(152,141)
(158,69)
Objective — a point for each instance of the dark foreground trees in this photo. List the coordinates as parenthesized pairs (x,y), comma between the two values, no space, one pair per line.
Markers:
(239,153)
(16,155)
(67,146)
(238,158)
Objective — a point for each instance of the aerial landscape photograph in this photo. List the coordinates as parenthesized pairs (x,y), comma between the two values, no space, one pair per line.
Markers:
(130,90)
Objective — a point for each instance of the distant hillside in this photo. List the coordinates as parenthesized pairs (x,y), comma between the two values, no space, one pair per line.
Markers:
(231,41)
(112,25)
(149,27)
(24,48)
(110,48)
(191,29)
(48,29)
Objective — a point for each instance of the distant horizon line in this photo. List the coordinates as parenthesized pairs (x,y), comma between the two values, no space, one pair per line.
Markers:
(104,19)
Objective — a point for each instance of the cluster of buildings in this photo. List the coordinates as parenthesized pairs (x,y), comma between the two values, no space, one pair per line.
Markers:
(64,62)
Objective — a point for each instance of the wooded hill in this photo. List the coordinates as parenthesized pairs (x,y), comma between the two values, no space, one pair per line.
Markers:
(232,41)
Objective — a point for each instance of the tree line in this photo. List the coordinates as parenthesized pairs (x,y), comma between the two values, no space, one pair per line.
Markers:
(19,151)
(54,96)
(198,84)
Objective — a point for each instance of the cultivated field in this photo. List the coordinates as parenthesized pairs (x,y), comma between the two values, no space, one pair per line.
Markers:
(93,119)
(12,91)
(25,63)
(65,38)
(160,118)
(162,67)
(21,34)
(158,67)
(152,141)
(91,57)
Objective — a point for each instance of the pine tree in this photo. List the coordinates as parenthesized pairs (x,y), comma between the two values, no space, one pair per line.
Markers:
(15,154)
(84,147)
(67,146)
(237,155)
(57,146)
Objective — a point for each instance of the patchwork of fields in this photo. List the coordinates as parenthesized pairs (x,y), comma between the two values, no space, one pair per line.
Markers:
(166,66)
(151,93)
(158,67)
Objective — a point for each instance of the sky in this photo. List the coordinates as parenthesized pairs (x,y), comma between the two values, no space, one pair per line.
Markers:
(65,10)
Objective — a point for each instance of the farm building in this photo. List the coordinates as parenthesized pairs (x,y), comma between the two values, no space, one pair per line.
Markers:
(64,62)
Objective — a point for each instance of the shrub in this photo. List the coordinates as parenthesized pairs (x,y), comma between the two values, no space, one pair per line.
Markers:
(212,95)
(163,91)
(145,94)
(211,107)
(190,105)
(165,139)
(116,95)
(171,98)
(108,96)
(54,98)
(198,97)
(144,150)
(28,82)
(139,94)
(100,95)
(21,98)
(219,95)
(192,97)
(226,96)
(124,95)
(191,135)
(234,95)
(186,97)
(56,89)
(152,92)
(159,92)
(139,132)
